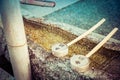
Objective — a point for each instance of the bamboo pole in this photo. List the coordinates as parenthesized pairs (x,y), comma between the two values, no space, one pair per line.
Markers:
(16,39)
(39,3)
(102,42)
(87,32)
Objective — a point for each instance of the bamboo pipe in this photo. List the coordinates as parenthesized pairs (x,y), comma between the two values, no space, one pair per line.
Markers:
(86,33)
(39,3)
(102,42)
(16,39)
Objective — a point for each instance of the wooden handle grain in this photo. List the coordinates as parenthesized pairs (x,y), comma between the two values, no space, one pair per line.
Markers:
(102,42)
(86,33)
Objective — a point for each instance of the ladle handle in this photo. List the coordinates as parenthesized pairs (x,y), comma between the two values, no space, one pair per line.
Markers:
(86,33)
(102,42)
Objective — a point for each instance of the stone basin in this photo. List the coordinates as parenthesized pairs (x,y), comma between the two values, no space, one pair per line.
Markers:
(41,36)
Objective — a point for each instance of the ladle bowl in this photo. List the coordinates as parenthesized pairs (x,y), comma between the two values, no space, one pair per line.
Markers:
(59,50)
(79,63)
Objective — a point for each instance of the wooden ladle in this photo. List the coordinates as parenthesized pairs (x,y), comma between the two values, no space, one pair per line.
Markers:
(61,49)
(81,63)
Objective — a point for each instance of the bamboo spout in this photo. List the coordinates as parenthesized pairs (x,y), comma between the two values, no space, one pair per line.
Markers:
(39,3)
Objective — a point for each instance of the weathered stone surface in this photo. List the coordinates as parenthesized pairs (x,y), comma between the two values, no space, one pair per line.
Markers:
(2,42)
(5,76)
